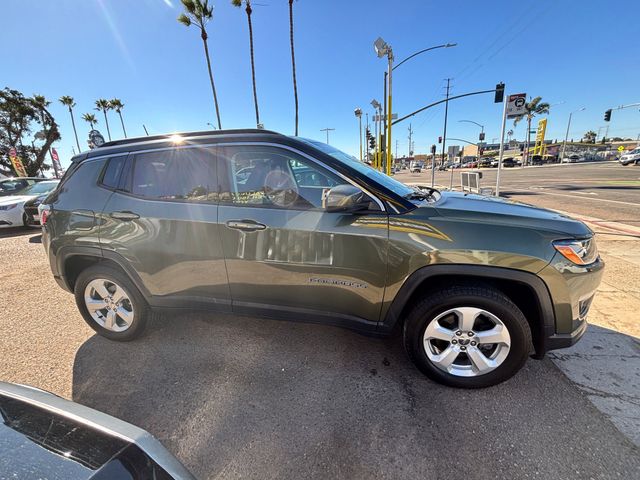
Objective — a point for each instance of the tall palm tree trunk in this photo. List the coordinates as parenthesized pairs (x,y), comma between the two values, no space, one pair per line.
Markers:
(526,152)
(122,123)
(253,67)
(213,86)
(75,132)
(293,62)
(106,122)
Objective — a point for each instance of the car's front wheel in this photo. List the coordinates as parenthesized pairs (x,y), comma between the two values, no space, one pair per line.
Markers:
(467,336)
(110,303)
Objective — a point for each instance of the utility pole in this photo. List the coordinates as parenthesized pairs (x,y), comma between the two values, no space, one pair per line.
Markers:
(410,135)
(327,130)
(446,113)
(397,148)
(564,145)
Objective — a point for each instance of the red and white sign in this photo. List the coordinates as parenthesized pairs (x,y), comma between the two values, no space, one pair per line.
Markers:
(516,105)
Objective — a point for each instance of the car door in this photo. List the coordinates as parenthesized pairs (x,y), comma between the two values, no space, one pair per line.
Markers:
(284,252)
(161,221)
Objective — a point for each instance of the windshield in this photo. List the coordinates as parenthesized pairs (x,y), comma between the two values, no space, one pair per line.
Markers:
(378,177)
(38,188)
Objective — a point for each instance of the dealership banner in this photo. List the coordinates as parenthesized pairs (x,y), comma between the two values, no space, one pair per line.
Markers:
(17,163)
(55,159)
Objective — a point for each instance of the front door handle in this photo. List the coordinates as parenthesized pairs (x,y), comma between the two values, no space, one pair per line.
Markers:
(124,215)
(246,225)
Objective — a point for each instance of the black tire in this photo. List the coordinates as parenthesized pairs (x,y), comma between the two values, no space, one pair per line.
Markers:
(486,298)
(140,307)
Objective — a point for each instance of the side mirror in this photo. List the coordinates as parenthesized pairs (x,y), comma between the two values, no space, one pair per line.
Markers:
(346,198)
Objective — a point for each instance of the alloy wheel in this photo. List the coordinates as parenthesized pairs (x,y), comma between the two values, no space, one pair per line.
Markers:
(467,341)
(109,305)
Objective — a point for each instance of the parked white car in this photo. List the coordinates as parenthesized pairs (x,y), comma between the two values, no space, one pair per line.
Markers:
(12,212)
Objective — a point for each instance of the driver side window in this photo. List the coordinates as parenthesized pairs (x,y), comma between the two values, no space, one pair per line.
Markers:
(271,176)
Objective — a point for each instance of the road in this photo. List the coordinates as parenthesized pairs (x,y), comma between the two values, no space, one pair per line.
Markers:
(607,191)
(248,397)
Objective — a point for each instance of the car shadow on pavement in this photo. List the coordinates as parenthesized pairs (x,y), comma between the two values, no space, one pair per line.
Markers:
(247,397)
(36,239)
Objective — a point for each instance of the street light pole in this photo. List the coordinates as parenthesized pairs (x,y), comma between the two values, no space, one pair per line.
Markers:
(382,49)
(564,145)
(358,113)
(501,154)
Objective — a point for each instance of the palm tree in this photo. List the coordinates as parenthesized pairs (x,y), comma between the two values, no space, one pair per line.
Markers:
(91,119)
(532,108)
(247,4)
(293,62)
(117,105)
(41,103)
(199,12)
(68,102)
(104,105)
(590,136)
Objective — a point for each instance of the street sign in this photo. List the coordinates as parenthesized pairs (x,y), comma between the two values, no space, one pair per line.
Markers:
(621,148)
(379,118)
(516,105)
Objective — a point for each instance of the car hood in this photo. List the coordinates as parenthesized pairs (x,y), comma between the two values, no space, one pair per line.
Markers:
(499,211)
(10,200)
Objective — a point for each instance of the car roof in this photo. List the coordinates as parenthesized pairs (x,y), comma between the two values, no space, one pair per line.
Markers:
(159,141)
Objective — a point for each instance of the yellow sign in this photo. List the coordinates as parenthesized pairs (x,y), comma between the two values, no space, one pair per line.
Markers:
(542,129)
(17,163)
(621,148)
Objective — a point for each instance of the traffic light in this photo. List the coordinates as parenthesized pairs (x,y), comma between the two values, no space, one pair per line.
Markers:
(607,116)
(499,93)
(481,137)
(439,139)
(433,149)
(372,143)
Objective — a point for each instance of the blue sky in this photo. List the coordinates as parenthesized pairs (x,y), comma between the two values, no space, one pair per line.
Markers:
(571,53)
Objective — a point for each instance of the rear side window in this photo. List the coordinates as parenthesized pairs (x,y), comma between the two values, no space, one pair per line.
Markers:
(112,173)
(176,174)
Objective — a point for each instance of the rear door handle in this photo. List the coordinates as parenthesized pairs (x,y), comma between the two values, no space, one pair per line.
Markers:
(124,215)
(246,225)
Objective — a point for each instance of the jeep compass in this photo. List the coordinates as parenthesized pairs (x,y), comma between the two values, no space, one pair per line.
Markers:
(255,222)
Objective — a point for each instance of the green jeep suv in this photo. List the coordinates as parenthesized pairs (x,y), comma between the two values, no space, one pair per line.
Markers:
(255,222)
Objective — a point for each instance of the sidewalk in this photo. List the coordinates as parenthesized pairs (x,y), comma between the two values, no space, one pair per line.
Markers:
(605,364)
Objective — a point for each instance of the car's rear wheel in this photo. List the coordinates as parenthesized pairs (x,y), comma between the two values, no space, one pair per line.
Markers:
(110,303)
(467,337)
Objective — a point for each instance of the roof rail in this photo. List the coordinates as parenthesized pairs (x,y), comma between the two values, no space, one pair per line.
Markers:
(166,136)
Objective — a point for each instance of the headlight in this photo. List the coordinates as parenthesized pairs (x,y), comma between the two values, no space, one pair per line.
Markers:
(580,252)
(9,207)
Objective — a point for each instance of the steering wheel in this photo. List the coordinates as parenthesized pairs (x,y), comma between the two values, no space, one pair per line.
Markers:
(280,189)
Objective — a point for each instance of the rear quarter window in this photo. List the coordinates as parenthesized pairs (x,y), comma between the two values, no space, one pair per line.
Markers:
(113,171)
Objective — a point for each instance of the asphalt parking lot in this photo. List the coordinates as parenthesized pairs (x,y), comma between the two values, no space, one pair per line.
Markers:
(248,397)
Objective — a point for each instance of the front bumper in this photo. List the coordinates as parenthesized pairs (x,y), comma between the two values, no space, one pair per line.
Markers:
(572,290)
(565,340)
